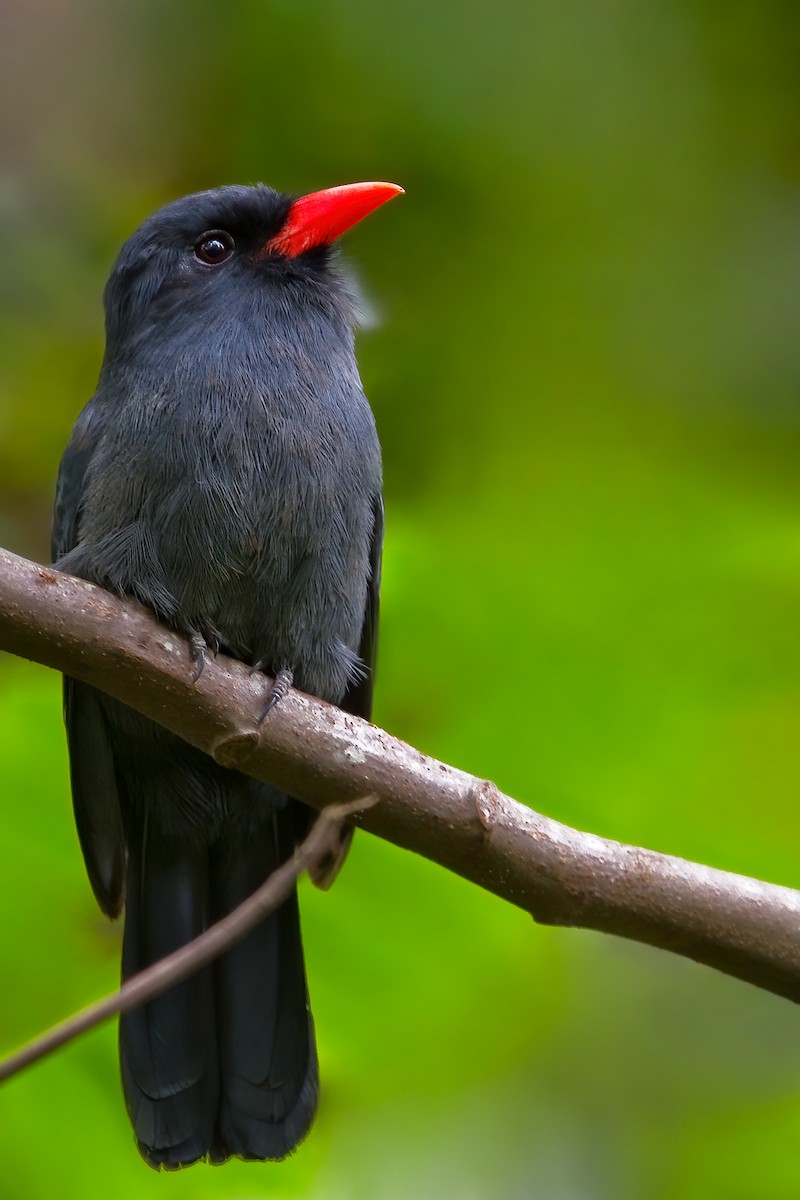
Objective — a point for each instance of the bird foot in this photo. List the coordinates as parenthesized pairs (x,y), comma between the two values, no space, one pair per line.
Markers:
(197,649)
(280,686)
(201,640)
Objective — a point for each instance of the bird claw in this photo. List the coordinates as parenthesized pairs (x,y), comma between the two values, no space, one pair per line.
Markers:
(214,639)
(197,649)
(280,686)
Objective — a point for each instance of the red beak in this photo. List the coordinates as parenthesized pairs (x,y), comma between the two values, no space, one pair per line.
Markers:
(322,217)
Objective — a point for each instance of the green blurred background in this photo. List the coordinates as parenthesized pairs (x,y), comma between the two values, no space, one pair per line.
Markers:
(586,374)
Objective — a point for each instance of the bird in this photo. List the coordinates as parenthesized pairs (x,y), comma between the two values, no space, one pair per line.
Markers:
(227,474)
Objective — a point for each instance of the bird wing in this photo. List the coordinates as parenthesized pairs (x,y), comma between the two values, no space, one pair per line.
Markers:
(94,786)
(72,477)
(358,698)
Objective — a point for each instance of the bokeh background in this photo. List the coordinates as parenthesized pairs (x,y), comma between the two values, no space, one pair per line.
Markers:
(586,373)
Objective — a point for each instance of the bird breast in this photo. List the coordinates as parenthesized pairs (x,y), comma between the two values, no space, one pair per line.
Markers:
(249,522)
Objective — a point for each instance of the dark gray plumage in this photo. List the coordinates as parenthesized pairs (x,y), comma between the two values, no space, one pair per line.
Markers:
(227,474)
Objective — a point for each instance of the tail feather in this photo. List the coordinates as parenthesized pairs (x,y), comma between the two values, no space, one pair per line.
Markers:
(223,1063)
(268,1064)
(168,1054)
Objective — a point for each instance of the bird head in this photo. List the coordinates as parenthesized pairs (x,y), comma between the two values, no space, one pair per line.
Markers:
(208,256)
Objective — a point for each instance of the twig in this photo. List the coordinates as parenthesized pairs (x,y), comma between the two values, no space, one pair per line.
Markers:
(312,751)
(197,953)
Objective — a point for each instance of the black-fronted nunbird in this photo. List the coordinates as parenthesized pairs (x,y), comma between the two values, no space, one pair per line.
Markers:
(227,474)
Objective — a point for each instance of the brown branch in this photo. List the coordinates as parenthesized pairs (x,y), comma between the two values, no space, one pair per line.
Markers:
(740,926)
(195,954)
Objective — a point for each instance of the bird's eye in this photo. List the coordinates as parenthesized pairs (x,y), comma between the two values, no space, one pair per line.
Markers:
(214,247)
